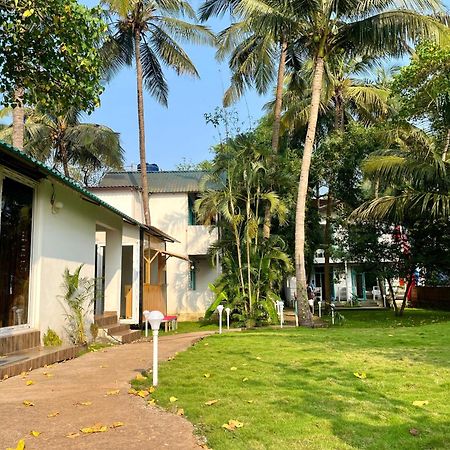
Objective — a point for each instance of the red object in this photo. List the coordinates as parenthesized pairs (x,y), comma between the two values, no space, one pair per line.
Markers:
(170,318)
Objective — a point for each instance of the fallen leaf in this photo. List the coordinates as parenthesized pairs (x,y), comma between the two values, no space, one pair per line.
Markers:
(151,389)
(29,382)
(117,425)
(414,431)
(233,368)
(47,374)
(23,374)
(20,446)
(140,377)
(53,414)
(206,344)
(173,399)
(232,425)
(114,392)
(207,375)
(360,375)
(97,428)
(72,435)
(5,377)
(35,433)
(180,412)
(143,394)
(132,391)
(244,379)
(28,403)
(151,402)
(258,358)
(250,401)
(103,366)
(211,402)
(420,402)
(83,404)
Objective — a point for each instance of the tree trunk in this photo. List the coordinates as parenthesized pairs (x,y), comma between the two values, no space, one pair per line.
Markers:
(407,287)
(140,102)
(391,291)
(279,99)
(267,224)
(18,120)
(327,241)
(300,269)
(64,158)
(447,145)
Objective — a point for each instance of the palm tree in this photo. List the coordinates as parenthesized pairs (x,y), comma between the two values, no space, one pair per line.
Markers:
(148,30)
(375,28)
(80,148)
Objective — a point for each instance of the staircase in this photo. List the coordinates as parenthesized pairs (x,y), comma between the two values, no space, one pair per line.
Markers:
(109,327)
(22,352)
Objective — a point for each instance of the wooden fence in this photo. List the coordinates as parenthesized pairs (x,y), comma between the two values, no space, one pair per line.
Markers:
(431,297)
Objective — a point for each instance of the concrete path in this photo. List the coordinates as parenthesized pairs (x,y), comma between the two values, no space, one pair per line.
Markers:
(89,379)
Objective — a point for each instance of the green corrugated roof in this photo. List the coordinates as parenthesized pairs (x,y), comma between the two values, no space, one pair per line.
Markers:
(38,166)
(158,182)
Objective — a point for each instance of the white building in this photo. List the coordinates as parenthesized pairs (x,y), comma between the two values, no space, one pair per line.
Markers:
(171,198)
(48,223)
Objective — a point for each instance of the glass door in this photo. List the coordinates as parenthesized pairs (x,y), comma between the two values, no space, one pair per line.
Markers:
(15,251)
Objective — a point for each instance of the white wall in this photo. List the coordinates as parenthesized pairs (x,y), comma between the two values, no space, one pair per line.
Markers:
(64,239)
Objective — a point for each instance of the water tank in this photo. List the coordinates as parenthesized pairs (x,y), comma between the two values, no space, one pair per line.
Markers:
(150,167)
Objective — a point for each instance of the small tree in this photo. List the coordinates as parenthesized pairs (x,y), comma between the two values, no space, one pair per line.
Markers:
(77,301)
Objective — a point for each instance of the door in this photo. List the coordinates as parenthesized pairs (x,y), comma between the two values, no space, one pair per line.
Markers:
(126,301)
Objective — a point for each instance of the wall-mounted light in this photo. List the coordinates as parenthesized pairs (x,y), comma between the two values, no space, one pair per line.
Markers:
(56,206)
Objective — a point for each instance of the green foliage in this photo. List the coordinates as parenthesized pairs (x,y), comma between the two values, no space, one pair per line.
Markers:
(41,53)
(93,328)
(77,300)
(252,266)
(51,338)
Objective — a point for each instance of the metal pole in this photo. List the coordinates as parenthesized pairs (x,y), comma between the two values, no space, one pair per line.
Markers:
(146,327)
(281,314)
(332,314)
(228,318)
(320,308)
(220,322)
(155,357)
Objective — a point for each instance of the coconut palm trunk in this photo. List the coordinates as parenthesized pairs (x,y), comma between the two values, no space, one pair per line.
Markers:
(140,104)
(305,317)
(267,225)
(18,120)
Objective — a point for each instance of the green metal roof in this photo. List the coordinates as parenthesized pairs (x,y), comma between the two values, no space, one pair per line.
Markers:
(159,182)
(27,164)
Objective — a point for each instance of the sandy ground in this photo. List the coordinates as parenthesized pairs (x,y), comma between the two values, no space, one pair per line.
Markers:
(89,379)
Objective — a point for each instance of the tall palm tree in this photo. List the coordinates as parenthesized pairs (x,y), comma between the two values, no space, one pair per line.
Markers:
(147,31)
(63,140)
(377,28)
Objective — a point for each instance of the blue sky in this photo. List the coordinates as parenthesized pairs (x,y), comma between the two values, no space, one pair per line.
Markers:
(179,131)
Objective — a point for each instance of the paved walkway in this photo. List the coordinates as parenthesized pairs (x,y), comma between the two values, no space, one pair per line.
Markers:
(88,379)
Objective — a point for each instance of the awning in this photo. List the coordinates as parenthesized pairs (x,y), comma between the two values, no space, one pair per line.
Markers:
(168,254)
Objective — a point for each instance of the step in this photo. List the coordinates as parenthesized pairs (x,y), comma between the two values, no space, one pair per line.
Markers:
(26,360)
(116,328)
(19,340)
(128,336)
(106,319)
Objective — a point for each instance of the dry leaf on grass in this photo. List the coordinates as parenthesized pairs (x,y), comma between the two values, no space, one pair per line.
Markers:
(420,402)
(233,368)
(180,412)
(414,431)
(360,375)
(28,403)
(132,391)
(211,402)
(151,402)
(140,377)
(258,358)
(250,401)
(143,394)
(97,428)
(20,446)
(244,379)
(151,389)
(35,433)
(173,399)
(232,425)
(53,414)
(207,375)
(114,392)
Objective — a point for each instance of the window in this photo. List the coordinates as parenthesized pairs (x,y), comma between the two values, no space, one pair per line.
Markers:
(15,251)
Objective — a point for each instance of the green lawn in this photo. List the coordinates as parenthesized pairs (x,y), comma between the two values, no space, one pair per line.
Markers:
(302,393)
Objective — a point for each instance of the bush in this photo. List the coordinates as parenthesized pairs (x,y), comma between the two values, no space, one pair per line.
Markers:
(51,338)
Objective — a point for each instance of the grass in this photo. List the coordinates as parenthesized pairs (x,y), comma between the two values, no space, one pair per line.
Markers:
(301,391)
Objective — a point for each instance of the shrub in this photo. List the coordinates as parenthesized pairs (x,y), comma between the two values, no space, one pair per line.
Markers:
(51,338)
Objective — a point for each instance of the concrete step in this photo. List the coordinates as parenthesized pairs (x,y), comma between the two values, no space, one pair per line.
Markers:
(116,328)
(15,363)
(106,319)
(20,340)
(127,336)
